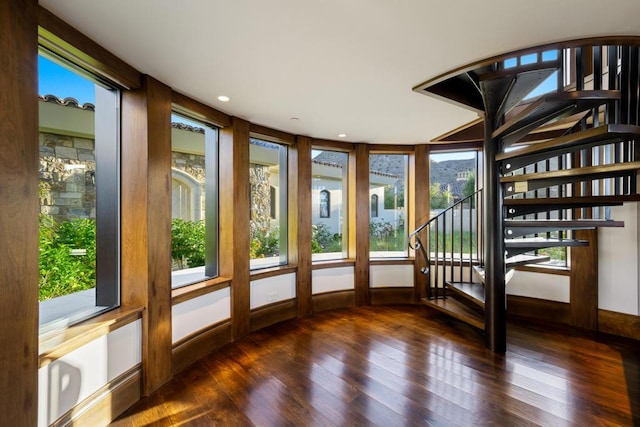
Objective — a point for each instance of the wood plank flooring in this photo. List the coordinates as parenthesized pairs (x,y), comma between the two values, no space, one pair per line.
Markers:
(397,366)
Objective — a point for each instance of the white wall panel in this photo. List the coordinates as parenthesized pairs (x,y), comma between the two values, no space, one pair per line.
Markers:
(272,289)
(538,285)
(332,279)
(198,313)
(387,276)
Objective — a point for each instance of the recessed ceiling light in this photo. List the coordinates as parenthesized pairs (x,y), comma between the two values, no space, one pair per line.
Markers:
(294,118)
(224,98)
(342,135)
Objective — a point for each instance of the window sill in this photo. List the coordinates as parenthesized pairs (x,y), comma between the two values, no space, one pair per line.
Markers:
(64,341)
(319,265)
(391,261)
(545,269)
(273,271)
(195,290)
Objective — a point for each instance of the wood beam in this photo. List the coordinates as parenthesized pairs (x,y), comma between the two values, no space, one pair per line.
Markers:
(234,221)
(421,196)
(304,224)
(361,269)
(583,294)
(146,220)
(19,213)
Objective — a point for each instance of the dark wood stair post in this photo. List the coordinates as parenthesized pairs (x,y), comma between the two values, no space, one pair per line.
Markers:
(494,248)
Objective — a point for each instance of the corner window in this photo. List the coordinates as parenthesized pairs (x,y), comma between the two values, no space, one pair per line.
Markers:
(387,227)
(79,192)
(194,201)
(268,220)
(329,200)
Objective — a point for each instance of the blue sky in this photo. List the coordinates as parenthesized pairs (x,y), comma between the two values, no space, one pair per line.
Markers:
(54,79)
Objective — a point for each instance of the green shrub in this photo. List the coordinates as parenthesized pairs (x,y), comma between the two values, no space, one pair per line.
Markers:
(265,244)
(60,272)
(322,240)
(187,243)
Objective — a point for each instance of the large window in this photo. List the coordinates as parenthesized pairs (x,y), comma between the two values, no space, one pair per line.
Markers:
(329,204)
(268,221)
(79,193)
(387,189)
(194,184)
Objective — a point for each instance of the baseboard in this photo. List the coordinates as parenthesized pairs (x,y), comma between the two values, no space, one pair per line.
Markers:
(621,324)
(106,404)
(198,345)
(268,315)
(333,300)
(390,296)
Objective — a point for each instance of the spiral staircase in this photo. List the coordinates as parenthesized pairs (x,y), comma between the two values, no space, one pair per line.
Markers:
(553,165)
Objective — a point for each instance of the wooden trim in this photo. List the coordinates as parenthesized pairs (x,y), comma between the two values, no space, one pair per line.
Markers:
(538,309)
(107,403)
(271,272)
(333,300)
(61,38)
(421,209)
(269,134)
(54,346)
(196,290)
(271,314)
(146,217)
(362,218)
(387,296)
(321,265)
(621,324)
(328,144)
(186,105)
(558,271)
(19,155)
(392,261)
(584,281)
(455,146)
(197,345)
(304,226)
(463,129)
(234,220)
(391,149)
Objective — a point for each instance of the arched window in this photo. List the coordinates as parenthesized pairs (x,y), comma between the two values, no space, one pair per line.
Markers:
(374,206)
(186,196)
(325,204)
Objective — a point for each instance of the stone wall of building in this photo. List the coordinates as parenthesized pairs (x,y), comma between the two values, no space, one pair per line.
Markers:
(259,179)
(67,177)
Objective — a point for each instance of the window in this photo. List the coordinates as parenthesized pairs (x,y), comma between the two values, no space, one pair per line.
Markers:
(194,208)
(268,221)
(79,193)
(374,206)
(329,200)
(325,204)
(388,181)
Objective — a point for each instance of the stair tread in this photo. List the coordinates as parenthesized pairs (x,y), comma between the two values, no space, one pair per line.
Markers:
(524,259)
(607,133)
(554,105)
(563,222)
(539,242)
(457,310)
(471,291)
(589,172)
(577,201)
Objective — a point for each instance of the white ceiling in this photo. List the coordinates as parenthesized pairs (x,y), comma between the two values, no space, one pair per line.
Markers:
(340,66)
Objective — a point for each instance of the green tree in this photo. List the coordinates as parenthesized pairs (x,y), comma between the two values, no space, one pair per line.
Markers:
(439,199)
(469,186)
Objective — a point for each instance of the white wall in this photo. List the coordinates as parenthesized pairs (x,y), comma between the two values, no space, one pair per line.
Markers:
(272,289)
(332,279)
(551,287)
(74,377)
(388,276)
(198,313)
(618,253)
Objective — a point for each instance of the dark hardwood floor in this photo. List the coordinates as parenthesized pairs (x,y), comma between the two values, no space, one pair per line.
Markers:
(402,365)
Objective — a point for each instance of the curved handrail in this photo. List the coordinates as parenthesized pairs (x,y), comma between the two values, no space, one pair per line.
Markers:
(444,212)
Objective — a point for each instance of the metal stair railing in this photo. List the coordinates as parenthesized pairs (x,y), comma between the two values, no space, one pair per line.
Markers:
(447,256)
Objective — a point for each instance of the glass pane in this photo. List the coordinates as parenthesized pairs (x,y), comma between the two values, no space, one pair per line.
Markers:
(78,132)
(388,182)
(193,167)
(268,221)
(329,171)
